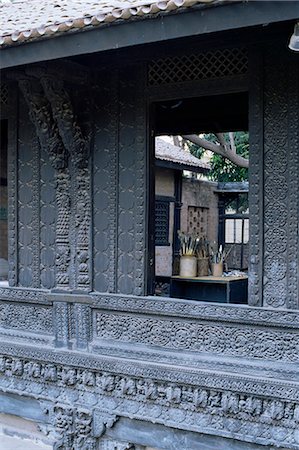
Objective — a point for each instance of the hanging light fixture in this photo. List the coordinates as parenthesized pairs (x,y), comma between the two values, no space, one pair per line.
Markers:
(294,41)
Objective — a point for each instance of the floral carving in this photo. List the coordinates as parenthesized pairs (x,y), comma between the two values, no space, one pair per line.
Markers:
(228,340)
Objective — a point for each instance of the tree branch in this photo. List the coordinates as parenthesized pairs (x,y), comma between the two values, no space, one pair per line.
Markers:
(223,150)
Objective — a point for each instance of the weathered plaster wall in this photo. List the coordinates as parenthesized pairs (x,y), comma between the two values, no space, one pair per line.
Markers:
(164,185)
(196,193)
(201,193)
(164,181)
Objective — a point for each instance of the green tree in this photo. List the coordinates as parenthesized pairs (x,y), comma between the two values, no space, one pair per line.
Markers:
(222,168)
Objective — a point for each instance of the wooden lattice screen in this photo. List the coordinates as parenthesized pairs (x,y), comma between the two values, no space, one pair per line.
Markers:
(206,65)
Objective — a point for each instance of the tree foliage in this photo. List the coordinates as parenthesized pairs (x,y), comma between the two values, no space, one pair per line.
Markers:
(222,169)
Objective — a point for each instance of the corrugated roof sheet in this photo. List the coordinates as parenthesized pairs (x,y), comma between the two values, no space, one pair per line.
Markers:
(21,21)
(172,153)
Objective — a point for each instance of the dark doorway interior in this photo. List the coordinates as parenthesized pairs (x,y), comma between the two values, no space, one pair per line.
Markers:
(206,114)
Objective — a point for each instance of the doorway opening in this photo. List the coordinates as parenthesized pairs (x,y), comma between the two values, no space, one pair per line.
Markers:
(200,196)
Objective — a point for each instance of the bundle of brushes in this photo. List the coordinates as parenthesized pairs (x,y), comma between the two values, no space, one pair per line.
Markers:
(189,244)
(220,255)
(203,251)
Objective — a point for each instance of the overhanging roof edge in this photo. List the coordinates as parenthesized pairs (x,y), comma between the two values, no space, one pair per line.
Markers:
(191,22)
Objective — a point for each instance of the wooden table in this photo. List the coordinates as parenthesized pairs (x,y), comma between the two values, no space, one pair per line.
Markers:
(210,289)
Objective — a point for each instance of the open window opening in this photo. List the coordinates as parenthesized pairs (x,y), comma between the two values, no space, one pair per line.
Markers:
(3,203)
(201,198)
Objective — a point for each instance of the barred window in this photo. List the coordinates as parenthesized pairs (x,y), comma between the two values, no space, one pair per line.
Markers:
(162,222)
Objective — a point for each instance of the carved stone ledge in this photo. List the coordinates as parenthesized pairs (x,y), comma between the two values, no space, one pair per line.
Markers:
(19,337)
(198,310)
(227,411)
(199,361)
(14,294)
(183,308)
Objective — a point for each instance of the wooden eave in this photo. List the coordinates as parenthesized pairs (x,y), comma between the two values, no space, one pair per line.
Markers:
(191,22)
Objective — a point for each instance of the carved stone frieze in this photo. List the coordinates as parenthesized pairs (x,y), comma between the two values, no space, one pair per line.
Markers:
(111,444)
(198,336)
(227,412)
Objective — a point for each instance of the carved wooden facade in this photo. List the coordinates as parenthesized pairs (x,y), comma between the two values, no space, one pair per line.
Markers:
(79,337)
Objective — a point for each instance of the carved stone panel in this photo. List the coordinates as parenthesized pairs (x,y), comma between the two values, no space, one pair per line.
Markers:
(236,340)
(37,319)
(47,222)
(255,273)
(28,201)
(132,183)
(281,175)
(105,184)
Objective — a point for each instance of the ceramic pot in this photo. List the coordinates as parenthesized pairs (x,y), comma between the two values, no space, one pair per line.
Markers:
(217,269)
(203,267)
(188,266)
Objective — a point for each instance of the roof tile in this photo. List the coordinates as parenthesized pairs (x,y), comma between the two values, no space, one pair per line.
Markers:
(22,21)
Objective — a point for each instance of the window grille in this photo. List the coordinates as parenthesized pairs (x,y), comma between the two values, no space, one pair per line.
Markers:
(4,94)
(162,222)
(198,221)
(206,65)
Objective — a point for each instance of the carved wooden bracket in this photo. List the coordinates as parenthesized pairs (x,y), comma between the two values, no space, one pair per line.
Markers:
(70,132)
(41,117)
